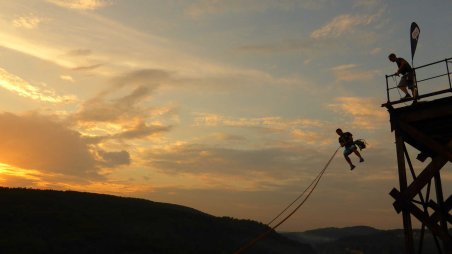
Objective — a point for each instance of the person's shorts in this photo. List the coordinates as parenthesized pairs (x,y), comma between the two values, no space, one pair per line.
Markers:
(349,149)
(407,80)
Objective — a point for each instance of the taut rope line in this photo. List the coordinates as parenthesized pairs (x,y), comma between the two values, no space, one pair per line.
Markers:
(263,235)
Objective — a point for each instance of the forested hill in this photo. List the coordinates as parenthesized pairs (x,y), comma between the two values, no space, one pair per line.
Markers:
(362,239)
(47,221)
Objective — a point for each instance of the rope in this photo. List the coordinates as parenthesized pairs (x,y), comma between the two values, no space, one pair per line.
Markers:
(315,182)
(299,196)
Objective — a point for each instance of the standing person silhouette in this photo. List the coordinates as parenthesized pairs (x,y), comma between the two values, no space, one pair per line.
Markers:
(346,141)
(407,79)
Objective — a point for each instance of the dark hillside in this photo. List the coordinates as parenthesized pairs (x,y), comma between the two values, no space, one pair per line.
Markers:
(46,221)
(336,233)
(360,239)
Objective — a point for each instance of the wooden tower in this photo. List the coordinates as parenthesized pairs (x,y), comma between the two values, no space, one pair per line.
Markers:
(427,127)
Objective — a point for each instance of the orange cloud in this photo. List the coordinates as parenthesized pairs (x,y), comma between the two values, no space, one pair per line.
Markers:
(365,113)
(28,22)
(67,78)
(342,25)
(112,115)
(137,87)
(80,4)
(305,130)
(270,122)
(22,88)
(13,176)
(349,72)
(198,159)
(35,142)
(44,148)
(312,137)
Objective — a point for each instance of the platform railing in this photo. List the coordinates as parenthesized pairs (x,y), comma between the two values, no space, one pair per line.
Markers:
(419,80)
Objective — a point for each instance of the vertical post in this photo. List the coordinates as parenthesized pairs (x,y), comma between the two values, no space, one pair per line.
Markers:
(441,208)
(387,88)
(416,89)
(448,75)
(408,230)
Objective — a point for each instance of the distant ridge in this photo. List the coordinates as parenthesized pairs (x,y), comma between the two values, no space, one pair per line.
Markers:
(48,221)
(333,233)
(359,239)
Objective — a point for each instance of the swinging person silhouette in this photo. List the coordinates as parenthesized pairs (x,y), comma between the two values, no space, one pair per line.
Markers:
(346,141)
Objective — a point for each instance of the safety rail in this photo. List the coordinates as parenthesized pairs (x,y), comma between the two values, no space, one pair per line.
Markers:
(432,92)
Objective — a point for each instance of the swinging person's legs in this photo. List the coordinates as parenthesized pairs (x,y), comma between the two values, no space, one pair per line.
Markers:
(355,150)
(347,152)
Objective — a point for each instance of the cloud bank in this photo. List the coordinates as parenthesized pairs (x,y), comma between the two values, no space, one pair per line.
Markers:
(33,141)
(80,4)
(22,88)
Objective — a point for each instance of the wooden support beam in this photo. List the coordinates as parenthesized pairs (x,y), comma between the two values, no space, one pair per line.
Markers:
(436,215)
(440,200)
(425,219)
(448,203)
(445,151)
(395,193)
(422,179)
(413,174)
(407,226)
(425,114)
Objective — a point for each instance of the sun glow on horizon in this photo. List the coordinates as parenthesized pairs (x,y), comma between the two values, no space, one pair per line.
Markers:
(9,174)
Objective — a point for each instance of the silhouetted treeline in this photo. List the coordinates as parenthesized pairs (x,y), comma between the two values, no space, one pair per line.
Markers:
(47,221)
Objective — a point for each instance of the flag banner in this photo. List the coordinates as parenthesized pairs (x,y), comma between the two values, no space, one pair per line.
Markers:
(414,37)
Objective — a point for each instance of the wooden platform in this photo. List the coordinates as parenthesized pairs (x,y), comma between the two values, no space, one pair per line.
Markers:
(432,119)
(426,126)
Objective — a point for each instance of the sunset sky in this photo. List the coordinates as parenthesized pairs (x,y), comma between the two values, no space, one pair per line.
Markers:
(226,106)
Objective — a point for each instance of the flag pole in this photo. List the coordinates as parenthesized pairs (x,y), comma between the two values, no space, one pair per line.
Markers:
(414,37)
